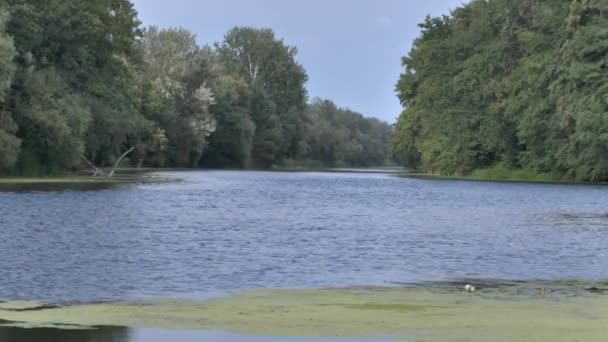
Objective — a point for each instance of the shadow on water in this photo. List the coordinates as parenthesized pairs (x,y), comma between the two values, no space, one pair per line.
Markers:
(102,334)
(76,186)
(81,183)
(122,334)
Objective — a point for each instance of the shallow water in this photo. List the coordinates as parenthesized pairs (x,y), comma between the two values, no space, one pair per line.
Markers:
(119,334)
(517,311)
(223,231)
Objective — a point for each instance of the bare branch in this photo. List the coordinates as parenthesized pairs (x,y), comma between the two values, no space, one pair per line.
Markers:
(118,162)
(253,69)
(98,171)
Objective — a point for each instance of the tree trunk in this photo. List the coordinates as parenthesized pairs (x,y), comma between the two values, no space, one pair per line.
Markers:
(98,171)
(118,162)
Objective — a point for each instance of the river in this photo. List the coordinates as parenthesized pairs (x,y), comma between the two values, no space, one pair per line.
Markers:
(214,233)
(220,231)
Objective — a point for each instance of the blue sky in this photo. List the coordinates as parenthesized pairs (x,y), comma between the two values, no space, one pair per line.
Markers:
(351,49)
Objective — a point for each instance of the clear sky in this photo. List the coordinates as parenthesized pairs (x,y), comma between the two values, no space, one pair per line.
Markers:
(351,49)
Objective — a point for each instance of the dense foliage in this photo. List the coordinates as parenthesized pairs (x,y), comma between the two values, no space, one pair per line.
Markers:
(509,84)
(81,83)
(340,137)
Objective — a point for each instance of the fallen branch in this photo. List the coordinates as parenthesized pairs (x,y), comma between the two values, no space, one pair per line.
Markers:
(118,162)
(98,171)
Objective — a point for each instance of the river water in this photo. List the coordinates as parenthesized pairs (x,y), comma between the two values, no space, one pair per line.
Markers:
(121,334)
(220,231)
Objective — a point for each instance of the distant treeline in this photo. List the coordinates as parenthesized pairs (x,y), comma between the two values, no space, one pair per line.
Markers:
(81,81)
(509,84)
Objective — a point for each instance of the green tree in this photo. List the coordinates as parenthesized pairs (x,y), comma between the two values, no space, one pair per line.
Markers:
(580,92)
(179,73)
(337,136)
(9,144)
(232,142)
(81,83)
(514,84)
(73,91)
(276,81)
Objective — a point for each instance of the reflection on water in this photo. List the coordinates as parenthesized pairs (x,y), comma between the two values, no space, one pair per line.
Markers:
(120,334)
(223,231)
(58,186)
(583,219)
(102,334)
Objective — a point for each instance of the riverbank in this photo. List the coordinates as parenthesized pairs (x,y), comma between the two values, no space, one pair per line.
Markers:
(558,311)
(377,170)
(133,176)
(502,175)
(123,177)
(58,180)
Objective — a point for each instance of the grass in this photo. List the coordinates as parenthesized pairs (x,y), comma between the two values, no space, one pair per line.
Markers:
(316,165)
(55,180)
(76,182)
(418,313)
(61,183)
(503,174)
(499,175)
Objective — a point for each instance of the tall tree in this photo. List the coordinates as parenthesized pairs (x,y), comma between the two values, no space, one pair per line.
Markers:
(337,136)
(513,84)
(232,143)
(82,85)
(277,83)
(581,92)
(9,144)
(73,89)
(179,72)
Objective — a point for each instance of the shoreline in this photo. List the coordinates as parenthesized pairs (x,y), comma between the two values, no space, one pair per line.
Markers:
(78,182)
(134,176)
(142,175)
(58,180)
(555,311)
(429,177)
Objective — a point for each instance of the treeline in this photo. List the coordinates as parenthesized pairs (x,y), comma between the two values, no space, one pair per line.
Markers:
(82,82)
(340,137)
(509,84)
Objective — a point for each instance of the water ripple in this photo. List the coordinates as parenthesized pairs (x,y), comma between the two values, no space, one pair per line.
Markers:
(224,231)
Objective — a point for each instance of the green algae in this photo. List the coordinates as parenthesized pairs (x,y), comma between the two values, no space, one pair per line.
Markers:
(376,306)
(18,305)
(54,180)
(421,314)
(79,182)
(25,325)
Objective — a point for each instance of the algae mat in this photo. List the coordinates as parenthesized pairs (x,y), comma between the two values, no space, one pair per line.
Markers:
(519,313)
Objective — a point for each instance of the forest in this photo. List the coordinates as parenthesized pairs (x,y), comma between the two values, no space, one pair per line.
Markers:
(82,82)
(508,85)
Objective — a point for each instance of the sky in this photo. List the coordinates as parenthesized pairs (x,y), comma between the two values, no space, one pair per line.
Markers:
(351,49)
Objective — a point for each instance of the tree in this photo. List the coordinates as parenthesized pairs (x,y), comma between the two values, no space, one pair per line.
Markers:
(57,121)
(179,72)
(9,144)
(73,89)
(337,136)
(232,142)
(276,81)
(509,84)
(580,92)
(83,86)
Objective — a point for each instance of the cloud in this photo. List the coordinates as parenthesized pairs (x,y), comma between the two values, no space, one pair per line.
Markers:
(383,20)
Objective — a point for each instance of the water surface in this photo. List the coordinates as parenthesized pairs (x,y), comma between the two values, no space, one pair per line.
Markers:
(120,334)
(224,231)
